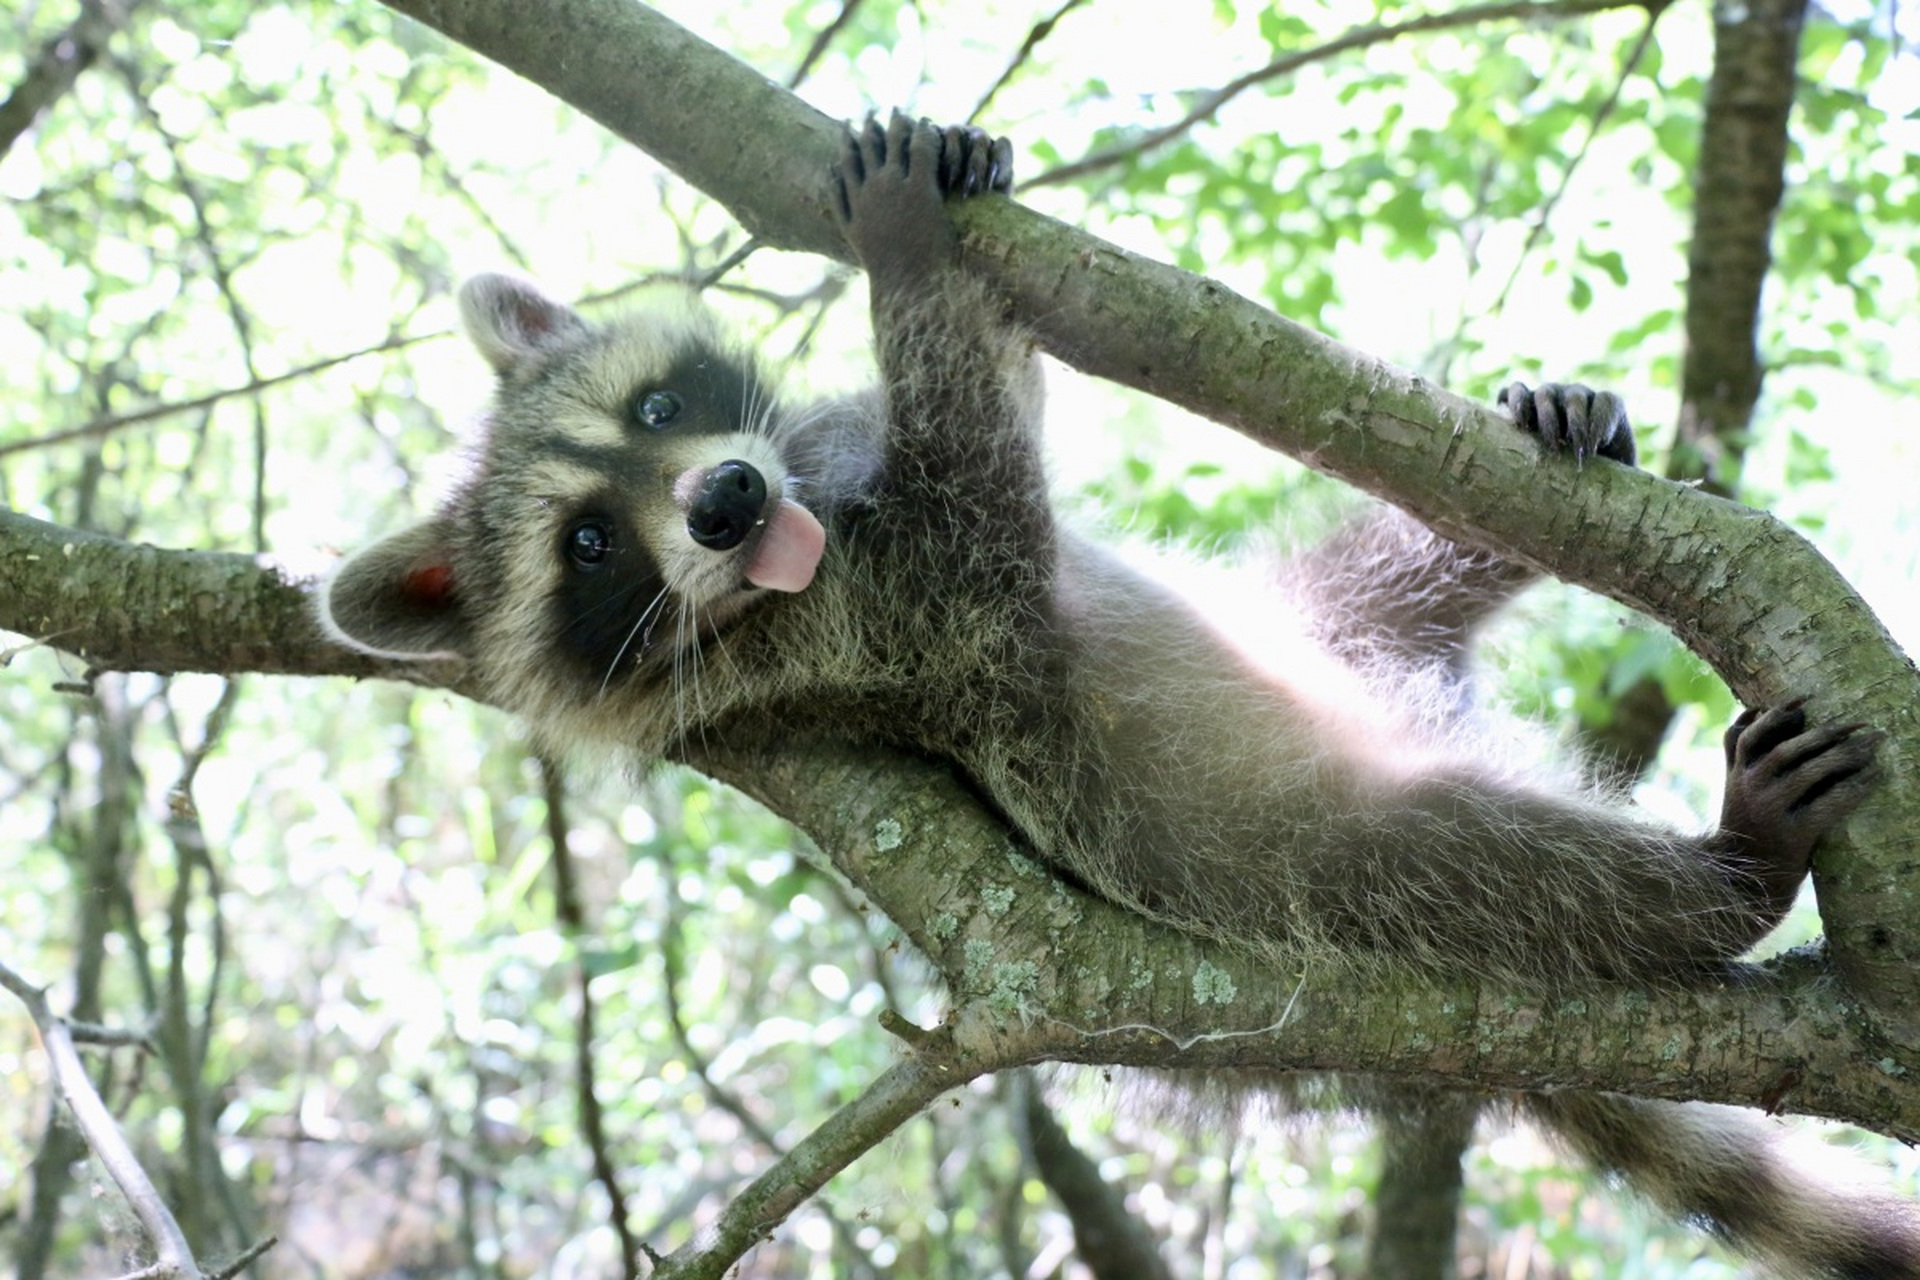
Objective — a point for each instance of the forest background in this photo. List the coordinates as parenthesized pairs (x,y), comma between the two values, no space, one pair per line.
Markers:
(378,949)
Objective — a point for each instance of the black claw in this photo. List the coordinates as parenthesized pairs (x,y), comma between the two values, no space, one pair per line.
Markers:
(837,177)
(954,159)
(1570,418)
(1002,178)
(899,141)
(1730,740)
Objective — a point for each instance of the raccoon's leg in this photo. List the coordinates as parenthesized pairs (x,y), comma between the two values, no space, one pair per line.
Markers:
(961,388)
(1388,588)
(1464,869)
(1727,1170)
(1393,590)
(1420,599)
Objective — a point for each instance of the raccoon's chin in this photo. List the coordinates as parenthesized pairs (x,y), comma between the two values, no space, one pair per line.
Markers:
(790,549)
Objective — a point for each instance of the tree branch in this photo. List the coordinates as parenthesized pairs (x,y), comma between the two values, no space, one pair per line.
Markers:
(173,1255)
(573,920)
(1737,187)
(1069,977)
(1563,182)
(1078,979)
(903,1092)
(1113,1242)
(1039,32)
(54,72)
(127,607)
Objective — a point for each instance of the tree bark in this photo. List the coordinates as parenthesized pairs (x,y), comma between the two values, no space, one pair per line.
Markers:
(1416,1208)
(1737,188)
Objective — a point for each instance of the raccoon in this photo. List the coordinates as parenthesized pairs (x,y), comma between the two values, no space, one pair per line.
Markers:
(654,551)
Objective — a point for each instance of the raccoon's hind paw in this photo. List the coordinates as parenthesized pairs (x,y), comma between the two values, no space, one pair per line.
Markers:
(1789,781)
(1570,418)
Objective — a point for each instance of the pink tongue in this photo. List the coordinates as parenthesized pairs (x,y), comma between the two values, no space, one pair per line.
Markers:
(789,550)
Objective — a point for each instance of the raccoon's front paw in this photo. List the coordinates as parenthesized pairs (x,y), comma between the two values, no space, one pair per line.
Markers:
(1570,418)
(1789,780)
(891,185)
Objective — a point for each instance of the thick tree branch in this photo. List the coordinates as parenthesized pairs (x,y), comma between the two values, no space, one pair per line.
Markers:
(1068,976)
(1090,982)
(127,607)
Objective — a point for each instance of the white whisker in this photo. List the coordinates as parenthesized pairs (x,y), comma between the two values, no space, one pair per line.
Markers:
(653,608)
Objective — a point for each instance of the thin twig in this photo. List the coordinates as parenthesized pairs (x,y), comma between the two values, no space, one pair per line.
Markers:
(573,920)
(821,41)
(104,1037)
(1357,38)
(671,946)
(185,1039)
(173,1256)
(121,421)
(708,278)
(1041,30)
(725,1098)
(1572,166)
(237,313)
(901,1092)
(397,342)
(246,1259)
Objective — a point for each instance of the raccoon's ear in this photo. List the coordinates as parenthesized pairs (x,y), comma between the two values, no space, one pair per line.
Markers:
(511,320)
(398,598)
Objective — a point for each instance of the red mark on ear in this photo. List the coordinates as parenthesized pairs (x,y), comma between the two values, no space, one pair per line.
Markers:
(430,585)
(532,319)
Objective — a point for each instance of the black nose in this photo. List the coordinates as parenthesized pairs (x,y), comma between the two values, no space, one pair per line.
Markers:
(727,505)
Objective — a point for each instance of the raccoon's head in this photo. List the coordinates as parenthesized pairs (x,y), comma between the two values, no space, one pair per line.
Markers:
(630,499)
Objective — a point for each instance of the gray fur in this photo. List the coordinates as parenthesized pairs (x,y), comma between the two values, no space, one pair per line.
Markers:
(1319,803)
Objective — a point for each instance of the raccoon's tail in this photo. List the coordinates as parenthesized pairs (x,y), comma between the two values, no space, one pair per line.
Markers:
(1730,1172)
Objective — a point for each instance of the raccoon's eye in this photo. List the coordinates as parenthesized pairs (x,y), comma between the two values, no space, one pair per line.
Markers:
(655,409)
(588,543)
